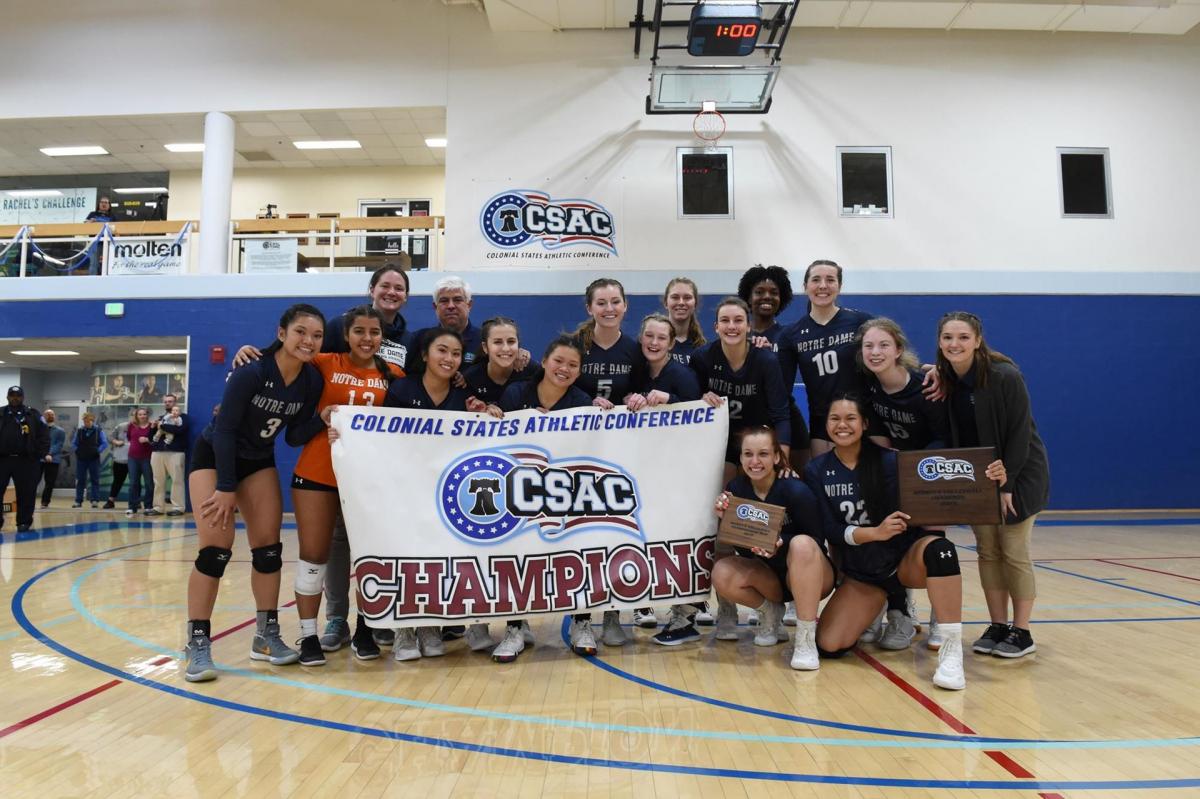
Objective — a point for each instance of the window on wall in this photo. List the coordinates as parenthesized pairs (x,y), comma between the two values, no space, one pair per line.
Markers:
(1084,182)
(865,181)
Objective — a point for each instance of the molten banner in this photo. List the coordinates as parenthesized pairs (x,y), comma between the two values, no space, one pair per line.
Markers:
(461,517)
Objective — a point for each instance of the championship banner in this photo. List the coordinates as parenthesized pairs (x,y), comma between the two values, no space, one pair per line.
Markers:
(461,517)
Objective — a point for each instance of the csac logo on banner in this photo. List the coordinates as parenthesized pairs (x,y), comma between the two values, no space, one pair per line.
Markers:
(492,495)
(938,468)
(515,219)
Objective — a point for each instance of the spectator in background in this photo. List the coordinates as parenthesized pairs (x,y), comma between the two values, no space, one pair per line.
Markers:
(88,443)
(24,442)
(103,212)
(151,394)
(53,459)
(170,452)
(140,474)
(120,459)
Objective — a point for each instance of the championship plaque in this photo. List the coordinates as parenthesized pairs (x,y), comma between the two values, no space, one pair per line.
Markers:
(748,524)
(948,486)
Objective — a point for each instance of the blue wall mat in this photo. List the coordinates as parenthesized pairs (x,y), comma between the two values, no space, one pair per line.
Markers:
(1111,377)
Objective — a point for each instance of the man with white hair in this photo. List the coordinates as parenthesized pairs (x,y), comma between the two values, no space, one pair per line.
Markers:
(452,303)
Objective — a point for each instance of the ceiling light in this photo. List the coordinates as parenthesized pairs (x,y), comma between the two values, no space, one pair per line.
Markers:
(90,149)
(34,193)
(135,190)
(339,144)
(435,142)
(186,147)
(44,352)
(161,352)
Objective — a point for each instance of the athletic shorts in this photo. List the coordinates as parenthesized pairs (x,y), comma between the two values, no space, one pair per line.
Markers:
(203,457)
(779,567)
(890,584)
(304,484)
(816,429)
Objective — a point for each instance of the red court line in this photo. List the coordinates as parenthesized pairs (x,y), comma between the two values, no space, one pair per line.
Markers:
(1005,762)
(1144,569)
(1122,557)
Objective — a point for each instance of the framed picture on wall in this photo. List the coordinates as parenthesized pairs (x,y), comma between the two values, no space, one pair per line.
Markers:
(118,389)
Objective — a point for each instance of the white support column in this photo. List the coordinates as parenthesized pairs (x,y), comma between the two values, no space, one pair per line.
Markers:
(216,189)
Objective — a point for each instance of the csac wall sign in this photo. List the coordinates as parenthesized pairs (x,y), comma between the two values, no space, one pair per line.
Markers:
(513,220)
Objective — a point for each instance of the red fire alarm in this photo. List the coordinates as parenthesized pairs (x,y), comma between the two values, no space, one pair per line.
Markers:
(216,354)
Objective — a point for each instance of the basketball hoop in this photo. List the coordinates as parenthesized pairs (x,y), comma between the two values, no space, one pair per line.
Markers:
(709,125)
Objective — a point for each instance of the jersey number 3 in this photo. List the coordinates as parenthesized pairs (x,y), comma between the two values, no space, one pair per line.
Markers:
(271,428)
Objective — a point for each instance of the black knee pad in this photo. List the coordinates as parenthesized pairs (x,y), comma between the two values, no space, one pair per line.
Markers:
(834,655)
(212,561)
(268,559)
(941,559)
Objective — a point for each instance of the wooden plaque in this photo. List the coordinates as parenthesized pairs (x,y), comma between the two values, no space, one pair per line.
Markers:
(749,523)
(948,486)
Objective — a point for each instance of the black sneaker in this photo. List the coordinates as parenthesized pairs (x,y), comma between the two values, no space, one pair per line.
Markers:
(311,653)
(110,505)
(679,629)
(363,643)
(453,632)
(383,637)
(994,634)
(1017,643)
(151,512)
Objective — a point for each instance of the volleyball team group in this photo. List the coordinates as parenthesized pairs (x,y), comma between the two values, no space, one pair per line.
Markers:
(843,538)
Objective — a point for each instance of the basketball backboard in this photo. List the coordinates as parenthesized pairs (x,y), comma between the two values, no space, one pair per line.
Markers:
(683,89)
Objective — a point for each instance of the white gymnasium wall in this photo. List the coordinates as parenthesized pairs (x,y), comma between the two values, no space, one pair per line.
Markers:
(973,120)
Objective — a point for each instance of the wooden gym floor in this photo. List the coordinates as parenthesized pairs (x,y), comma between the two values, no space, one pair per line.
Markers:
(94,703)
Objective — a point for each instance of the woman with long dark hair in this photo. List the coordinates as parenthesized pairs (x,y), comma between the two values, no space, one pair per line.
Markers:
(989,407)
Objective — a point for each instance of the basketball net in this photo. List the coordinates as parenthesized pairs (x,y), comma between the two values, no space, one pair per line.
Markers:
(709,125)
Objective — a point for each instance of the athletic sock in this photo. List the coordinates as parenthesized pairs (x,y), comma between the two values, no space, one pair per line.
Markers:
(199,627)
(897,600)
(265,617)
(950,630)
(308,627)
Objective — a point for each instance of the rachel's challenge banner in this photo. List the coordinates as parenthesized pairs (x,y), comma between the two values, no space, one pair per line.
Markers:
(460,516)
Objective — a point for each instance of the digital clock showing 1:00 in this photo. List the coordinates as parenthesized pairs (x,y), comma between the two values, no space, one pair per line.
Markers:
(725,29)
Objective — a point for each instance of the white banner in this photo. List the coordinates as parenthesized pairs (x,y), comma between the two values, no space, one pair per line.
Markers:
(463,517)
(72,205)
(269,256)
(133,255)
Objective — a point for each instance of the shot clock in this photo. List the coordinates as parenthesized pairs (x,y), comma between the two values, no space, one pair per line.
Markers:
(724,29)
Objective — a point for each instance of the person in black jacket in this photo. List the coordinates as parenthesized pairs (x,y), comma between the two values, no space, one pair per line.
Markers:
(989,407)
(24,443)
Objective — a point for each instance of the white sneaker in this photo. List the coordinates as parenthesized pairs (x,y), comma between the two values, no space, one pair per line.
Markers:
(804,656)
(752,617)
(789,614)
(874,632)
(583,641)
(727,620)
(406,646)
(949,674)
(644,617)
(704,617)
(936,636)
(612,633)
(527,634)
(508,649)
(430,639)
(772,622)
(899,632)
(478,638)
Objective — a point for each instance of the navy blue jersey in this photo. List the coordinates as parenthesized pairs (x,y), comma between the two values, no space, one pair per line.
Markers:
(481,386)
(682,351)
(397,341)
(523,395)
(675,379)
(771,334)
(908,418)
(409,392)
(801,516)
(755,392)
(472,343)
(842,504)
(609,372)
(824,355)
(255,407)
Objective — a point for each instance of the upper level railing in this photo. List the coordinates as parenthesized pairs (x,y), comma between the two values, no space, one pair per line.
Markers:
(260,246)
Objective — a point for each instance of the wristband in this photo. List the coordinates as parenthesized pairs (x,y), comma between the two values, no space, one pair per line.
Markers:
(849,535)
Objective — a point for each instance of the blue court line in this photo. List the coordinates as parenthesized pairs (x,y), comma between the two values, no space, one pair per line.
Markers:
(1022,785)
(84,528)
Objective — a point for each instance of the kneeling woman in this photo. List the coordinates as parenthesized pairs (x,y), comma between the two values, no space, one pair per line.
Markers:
(800,569)
(233,468)
(879,552)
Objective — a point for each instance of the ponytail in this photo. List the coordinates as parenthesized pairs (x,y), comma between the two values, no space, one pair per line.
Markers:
(289,316)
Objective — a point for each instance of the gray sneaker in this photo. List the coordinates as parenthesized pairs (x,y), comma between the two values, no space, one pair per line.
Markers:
(727,621)
(994,634)
(430,639)
(336,635)
(899,631)
(270,647)
(612,633)
(200,667)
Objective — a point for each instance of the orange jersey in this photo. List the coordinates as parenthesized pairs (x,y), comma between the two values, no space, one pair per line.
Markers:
(345,384)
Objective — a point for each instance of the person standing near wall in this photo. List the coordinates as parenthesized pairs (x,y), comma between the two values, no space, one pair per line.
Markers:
(140,474)
(24,442)
(169,457)
(119,441)
(53,459)
(989,407)
(88,443)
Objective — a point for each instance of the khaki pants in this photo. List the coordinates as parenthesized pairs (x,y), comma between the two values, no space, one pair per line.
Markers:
(162,464)
(1004,561)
